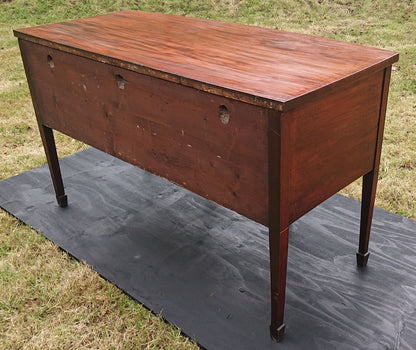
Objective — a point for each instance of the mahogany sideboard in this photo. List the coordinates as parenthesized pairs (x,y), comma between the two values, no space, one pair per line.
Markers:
(264,122)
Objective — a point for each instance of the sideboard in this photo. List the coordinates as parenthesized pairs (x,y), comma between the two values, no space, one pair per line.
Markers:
(265,122)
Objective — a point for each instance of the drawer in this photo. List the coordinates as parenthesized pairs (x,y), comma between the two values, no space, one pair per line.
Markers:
(209,144)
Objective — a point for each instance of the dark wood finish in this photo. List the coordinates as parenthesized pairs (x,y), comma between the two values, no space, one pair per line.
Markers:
(370,179)
(52,157)
(257,65)
(48,139)
(168,129)
(334,142)
(278,218)
(264,122)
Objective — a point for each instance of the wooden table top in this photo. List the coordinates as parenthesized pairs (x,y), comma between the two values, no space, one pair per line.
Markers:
(257,65)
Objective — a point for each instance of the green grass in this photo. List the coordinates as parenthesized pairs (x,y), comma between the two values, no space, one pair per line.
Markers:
(50,301)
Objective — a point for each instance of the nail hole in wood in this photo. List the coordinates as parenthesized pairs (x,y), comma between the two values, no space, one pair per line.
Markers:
(224,114)
(50,61)
(120,82)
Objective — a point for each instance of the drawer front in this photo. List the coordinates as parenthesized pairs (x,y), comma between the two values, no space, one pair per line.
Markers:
(211,145)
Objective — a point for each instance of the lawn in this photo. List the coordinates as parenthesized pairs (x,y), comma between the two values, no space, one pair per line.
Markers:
(50,301)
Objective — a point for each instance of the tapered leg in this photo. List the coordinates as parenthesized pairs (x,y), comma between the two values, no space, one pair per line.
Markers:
(46,134)
(48,140)
(370,179)
(367,208)
(278,242)
(278,219)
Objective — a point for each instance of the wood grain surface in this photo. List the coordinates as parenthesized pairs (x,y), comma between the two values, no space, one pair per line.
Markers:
(262,66)
(333,142)
(171,130)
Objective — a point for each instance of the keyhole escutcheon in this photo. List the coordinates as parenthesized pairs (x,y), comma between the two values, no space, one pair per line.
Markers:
(50,61)
(121,82)
(224,114)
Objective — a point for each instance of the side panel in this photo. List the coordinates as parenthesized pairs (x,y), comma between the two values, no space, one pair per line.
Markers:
(332,142)
(211,145)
